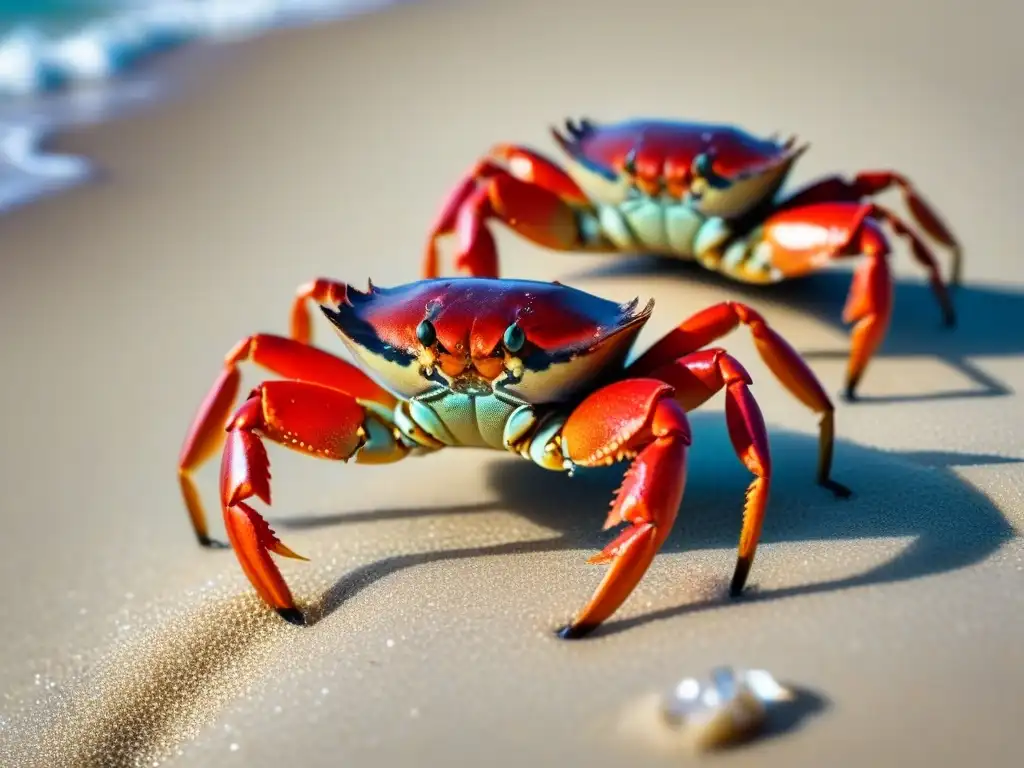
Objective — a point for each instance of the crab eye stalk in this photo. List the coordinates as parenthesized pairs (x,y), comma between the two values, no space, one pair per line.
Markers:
(702,170)
(629,164)
(425,333)
(514,338)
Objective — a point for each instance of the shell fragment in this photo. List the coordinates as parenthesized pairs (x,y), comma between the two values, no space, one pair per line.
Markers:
(728,706)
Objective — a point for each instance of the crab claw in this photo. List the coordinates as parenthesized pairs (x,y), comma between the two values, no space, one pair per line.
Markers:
(633,418)
(245,472)
(306,417)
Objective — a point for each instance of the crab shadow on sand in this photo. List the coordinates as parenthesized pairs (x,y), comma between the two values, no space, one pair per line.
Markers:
(988,318)
(896,495)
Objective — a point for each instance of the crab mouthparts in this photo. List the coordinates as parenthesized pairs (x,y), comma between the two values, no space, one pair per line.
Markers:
(470,382)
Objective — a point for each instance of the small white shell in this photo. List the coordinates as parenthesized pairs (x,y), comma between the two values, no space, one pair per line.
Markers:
(725,708)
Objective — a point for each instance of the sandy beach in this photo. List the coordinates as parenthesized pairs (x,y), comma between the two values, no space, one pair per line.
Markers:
(436,583)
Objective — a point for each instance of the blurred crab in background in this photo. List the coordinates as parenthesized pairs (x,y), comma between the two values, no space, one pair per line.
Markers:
(537,369)
(699,192)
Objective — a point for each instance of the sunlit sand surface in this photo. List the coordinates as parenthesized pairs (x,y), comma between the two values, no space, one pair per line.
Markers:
(435,585)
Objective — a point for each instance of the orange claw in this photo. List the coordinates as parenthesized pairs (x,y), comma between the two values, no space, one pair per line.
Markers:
(532,196)
(870,183)
(783,361)
(855,230)
(285,357)
(633,417)
(536,213)
(532,167)
(305,417)
(252,539)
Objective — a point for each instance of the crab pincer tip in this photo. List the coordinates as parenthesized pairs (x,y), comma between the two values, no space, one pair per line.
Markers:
(292,616)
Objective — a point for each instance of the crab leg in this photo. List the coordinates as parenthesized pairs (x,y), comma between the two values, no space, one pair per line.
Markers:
(630,418)
(284,357)
(322,290)
(695,379)
(871,183)
(719,320)
(306,417)
(869,306)
(531,195)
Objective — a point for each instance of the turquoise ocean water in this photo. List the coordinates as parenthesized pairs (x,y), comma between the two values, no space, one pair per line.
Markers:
(69,62)
(55,15)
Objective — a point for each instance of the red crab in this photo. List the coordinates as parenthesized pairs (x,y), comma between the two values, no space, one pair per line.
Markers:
(693,191)
(533,368)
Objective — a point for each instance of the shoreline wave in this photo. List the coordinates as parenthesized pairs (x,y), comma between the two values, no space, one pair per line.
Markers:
(33,62)
(85,75)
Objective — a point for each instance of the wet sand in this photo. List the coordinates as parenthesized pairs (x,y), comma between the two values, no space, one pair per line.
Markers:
(436,583)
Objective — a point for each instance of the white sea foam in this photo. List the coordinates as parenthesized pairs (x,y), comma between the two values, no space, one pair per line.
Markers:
(85,75)
(32,62)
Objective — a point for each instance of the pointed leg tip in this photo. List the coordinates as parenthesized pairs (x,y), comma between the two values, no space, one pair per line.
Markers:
(739,577)
(207,542)
(849,394)
(575,632)
(292,616)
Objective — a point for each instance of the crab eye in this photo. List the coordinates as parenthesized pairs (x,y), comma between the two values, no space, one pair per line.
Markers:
(629,164)
(702,170)
(514,338)
(425,333)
